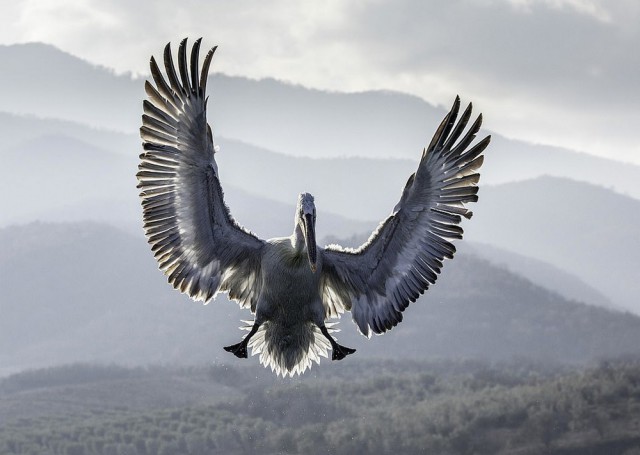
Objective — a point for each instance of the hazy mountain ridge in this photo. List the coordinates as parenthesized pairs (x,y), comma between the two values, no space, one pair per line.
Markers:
(580,228)
(54,171)
(125,312)
(65,87)
(358,188)
(58,177)
(54,311)
(316,124)
(96,182)
(542,273)
(18,129)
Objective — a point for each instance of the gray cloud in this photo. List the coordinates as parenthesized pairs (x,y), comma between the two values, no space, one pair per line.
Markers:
(563,72)
(545,50)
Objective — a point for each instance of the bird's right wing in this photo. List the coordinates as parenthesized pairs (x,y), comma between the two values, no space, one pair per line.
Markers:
(405,254)
(195,240)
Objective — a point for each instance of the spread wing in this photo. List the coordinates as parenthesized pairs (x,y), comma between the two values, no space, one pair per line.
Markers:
(197,243)
(405,254)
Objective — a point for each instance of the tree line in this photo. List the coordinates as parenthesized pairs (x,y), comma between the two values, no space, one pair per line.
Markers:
(390,410)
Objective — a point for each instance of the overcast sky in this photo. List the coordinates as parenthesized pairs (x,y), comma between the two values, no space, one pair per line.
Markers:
(564,72)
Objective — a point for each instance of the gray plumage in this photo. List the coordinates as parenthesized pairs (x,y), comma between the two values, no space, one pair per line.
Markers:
(290,285)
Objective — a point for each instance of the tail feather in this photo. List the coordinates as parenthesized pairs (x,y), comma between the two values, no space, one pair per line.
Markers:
(289,351)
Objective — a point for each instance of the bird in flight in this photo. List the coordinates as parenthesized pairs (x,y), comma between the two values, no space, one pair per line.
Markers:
(292,286)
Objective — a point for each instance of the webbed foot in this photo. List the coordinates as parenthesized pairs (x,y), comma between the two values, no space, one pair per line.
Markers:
(340,352)
(239,350)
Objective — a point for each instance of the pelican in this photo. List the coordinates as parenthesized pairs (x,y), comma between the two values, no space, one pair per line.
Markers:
(292,287)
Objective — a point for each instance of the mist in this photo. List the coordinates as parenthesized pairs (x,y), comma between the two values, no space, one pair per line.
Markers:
(538,306)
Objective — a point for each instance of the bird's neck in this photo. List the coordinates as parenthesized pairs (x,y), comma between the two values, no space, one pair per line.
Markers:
(298,241)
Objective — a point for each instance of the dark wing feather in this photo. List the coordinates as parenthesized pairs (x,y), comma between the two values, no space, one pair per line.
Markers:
(197,243)
(405,254)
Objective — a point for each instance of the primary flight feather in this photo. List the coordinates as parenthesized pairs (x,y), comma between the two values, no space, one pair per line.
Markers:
(292,286)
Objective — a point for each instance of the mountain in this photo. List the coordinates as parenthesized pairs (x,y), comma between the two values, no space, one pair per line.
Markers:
(542,273)
(42,80)
(60,169)
(282,117)
(54,171)
(56,177)
(79,154)
(583,229)
(358,188)
(18,129)
(59,177)
(89,292)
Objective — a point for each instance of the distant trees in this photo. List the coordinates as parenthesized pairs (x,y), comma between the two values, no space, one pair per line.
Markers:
(459,409)
(73,374)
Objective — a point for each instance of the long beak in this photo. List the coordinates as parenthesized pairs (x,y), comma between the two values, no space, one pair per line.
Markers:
(310,238)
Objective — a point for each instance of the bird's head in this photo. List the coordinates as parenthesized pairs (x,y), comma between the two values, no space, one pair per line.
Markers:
(306,224)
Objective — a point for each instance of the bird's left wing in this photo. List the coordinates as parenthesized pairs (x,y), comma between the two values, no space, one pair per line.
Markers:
(404,255)
(197,243)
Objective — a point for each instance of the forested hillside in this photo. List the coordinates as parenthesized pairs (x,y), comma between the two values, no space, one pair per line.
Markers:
(369,407)
(86,292)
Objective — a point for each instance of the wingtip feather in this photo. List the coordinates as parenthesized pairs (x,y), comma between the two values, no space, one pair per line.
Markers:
(205,69)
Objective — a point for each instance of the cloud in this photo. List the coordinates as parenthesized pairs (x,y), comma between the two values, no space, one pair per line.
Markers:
(545,51)
(592,8)
(560,72)
(554,71)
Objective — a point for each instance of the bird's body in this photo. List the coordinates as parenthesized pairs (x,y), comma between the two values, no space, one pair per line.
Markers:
(292,286)
(289,313)
(294,290)
(290,305)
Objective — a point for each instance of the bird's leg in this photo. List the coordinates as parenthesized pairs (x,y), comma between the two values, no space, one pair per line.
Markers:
(339,351)
(240,349)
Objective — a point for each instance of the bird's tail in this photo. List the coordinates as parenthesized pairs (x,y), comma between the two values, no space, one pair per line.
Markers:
(289,350)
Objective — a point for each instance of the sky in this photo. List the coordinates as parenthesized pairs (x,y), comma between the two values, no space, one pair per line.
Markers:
(559,72)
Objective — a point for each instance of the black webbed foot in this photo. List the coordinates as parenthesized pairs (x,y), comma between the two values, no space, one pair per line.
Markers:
(239,350)
(340,352)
